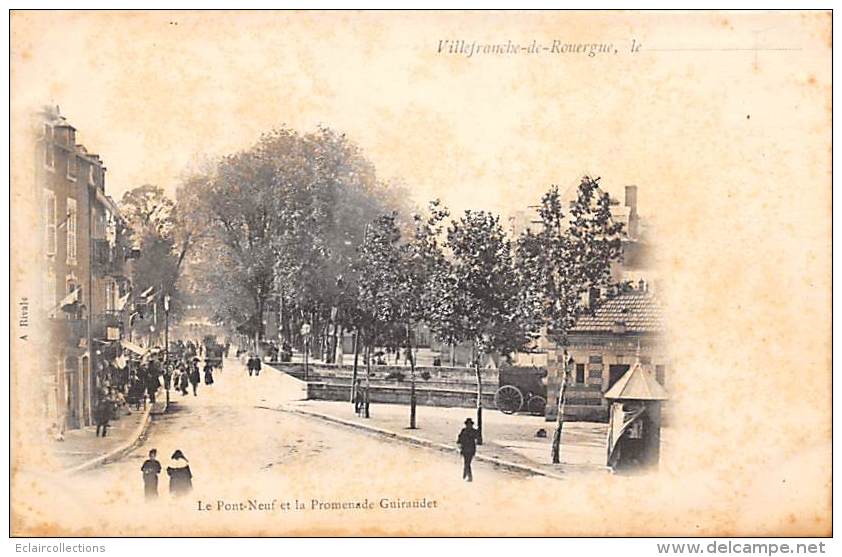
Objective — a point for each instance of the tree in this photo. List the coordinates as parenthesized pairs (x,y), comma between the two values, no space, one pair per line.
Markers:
(562,262)
(148,207)
(381,286)
(422,256)
(477,295)
(153,223)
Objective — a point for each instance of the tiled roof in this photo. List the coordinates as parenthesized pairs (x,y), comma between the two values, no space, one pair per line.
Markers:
(639,311)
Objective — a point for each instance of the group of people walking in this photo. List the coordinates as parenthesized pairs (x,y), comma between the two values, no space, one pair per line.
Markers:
(178,470)
(121,389)
(135,383)
(253,364)
(186,375)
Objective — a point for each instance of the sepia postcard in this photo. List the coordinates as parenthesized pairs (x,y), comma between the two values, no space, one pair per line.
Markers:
(420,273)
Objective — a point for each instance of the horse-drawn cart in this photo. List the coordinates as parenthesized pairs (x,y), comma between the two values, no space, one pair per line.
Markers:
(214,352)
(522,389)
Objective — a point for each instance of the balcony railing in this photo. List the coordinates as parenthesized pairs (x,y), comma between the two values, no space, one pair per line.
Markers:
(107,259)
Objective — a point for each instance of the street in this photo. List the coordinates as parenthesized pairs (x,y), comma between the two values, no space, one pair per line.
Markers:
(246,454)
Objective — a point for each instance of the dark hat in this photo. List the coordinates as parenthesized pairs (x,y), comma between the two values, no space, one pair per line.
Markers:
(178,454)
(469,421)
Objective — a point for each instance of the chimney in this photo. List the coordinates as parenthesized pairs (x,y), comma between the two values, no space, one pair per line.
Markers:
(631,198)
(631,203)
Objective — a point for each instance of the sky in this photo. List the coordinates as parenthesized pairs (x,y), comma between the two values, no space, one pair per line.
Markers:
(676,103)
(156,94)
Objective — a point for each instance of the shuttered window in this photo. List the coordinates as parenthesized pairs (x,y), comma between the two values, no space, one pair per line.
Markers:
(49,156)
(71,231)
(50,221)
(71,166)
(50,292)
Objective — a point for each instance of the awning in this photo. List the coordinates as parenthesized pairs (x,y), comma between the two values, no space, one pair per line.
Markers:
(132,347)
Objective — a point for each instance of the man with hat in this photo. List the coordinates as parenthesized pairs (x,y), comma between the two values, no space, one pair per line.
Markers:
(467,442)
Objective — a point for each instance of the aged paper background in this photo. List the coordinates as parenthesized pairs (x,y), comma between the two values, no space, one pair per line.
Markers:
(730,147)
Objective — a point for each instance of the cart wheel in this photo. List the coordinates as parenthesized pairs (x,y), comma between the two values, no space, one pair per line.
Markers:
(508,399)
(537,405)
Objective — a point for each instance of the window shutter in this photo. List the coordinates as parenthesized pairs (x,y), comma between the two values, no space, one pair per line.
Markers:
(50,222)
(71,230)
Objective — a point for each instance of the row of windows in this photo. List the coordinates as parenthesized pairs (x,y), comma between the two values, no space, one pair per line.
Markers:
(660,371)
(71,166)
(53,298)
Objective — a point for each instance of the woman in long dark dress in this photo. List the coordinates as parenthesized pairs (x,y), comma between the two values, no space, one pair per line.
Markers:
(194,375)
(181,478)
(208,373)
(185,380)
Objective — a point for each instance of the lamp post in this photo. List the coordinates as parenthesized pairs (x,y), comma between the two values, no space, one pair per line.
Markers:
(167,328)
(167,343)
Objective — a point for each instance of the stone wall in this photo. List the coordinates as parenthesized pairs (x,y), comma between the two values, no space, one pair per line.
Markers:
(441,377)
(449,398)
(444,386)
(434,386)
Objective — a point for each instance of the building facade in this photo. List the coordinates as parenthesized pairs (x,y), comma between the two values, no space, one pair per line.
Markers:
(602,347)
(84,268)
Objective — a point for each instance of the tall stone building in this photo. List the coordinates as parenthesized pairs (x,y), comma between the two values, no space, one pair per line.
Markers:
(84,272)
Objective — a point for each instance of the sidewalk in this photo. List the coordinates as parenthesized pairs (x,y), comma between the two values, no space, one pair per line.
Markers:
(509,439)
(82,449)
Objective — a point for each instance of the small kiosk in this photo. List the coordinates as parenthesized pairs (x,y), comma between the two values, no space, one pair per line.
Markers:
(634,426)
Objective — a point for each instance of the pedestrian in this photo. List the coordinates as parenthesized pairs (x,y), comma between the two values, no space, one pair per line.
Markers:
(135,391)
(208,373)
(254,365)
(181,478)
(150,469)
(153,383)
(194,376)
(168,371)
(103,415)
(184,381)
(467,442)
(358,397)
(176,377)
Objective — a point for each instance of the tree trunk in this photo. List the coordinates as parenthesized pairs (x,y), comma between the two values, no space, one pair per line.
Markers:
(314,327)
(335,344)
(412,402)
(367,380)
(260,305)
(452,355)
(354,372)
(325,350)
(479,399)
(556,451)
(282,319)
